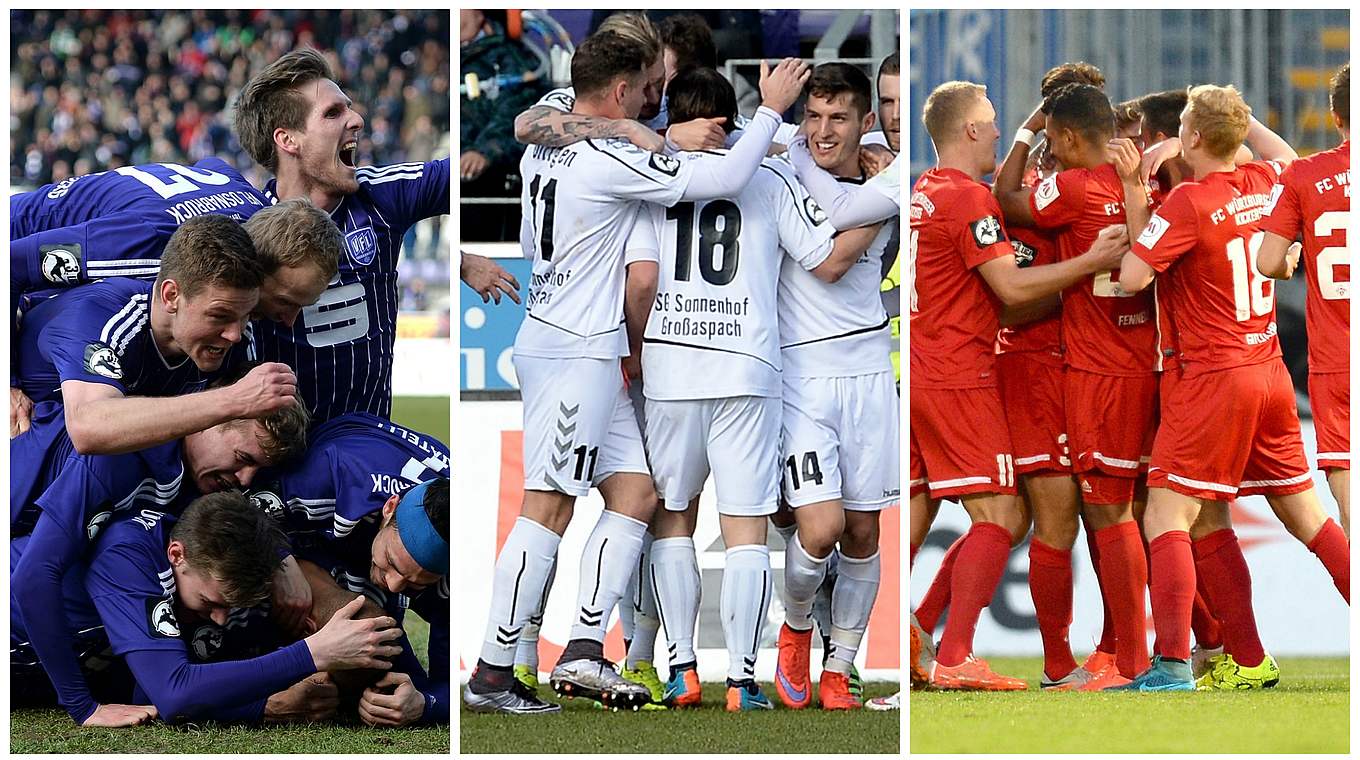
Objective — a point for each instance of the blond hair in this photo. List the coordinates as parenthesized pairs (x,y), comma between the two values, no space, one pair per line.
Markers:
(295,232)
(1220,116)
(636,28)
(947,107)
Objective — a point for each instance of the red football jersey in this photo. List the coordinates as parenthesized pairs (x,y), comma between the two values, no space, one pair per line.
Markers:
(1313,197)
(1105,330)
(1043,337)
(1158,188)
(1203,240)
(955,227)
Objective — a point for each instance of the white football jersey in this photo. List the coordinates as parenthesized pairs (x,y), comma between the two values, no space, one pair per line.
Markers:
(837,329)
(578,209)
(713,331)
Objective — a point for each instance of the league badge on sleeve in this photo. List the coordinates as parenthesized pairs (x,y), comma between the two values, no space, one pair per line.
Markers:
(1046,193)
(1156,227)
(664,164)
(160,617)
(61,263)
(101,360)
(986,231)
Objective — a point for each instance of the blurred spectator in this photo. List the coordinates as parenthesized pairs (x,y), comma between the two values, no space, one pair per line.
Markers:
(93,90)
(489,161)
(414,297)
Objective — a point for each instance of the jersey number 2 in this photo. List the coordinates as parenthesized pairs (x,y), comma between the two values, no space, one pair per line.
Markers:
(1333,256)
(182,179)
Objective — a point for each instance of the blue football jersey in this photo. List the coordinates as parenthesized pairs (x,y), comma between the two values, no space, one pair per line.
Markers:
(101,333)
(116,223)
(341,347)
(131,584)
(353,464)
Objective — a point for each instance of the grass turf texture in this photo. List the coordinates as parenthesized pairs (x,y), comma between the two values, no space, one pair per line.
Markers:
(53,730)
(1307,712)
(583,728)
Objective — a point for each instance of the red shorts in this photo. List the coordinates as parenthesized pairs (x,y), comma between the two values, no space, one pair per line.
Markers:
(1032,395)
(1233,432)
(1330,394)
(918,470)
(1110,425)
(960,439)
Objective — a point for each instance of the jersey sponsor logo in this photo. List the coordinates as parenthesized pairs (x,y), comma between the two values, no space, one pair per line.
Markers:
(60,191)
(61,263)
(96,524)
(160,617)
(362,245)
(1046,193)
(269,503)
(206,641)
(101,360)
(664,164)
(986,231)
(1156,227)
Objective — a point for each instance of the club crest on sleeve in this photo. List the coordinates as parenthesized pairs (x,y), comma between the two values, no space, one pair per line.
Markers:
(1156,227)
(986,231)
(561,99)
(269,503)
(1024,253)
(1046,193)
(362,245)
(664,164)
(160,617)
(61,263)
(96,524)
(101,360)
(206,641)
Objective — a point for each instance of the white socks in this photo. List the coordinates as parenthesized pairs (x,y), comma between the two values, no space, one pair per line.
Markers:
(527,653)
(852,601)
(746,586)
(518,588)
(609,558)
(803,573)
(675,580)
(641,600)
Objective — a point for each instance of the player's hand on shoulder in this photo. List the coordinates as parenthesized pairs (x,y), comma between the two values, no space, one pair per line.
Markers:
(345,643)
(118,716)
(488,278)
(266,389)
(20,412)
(874,159)
(1156,155)
(392,701)
(781,86)
(314,698)
(698,134)
(645,137)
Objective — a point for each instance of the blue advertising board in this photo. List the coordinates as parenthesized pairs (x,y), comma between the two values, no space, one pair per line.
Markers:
(488,333)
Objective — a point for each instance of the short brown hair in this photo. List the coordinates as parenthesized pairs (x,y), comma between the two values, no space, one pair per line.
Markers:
(229,540)
(1339,94)
(211,249)
(699,92)
(638,28)
(603,57)
(272,100)
(1220,116)
(295,232)
(1078,72)
(1162,111)
(890,66)
(831,79)
(1126,113)
(285,431)
(688,36)
(947,106)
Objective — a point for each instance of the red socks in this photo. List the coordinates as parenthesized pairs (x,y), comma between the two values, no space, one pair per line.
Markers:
(1223,569)
(1208,633)
(1107,638)
(1173,593)
(1330,546)
(1050,583)
(978,568)
(936,599)
(1125,573)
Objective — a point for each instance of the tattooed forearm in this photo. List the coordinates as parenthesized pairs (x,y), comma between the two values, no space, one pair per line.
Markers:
(544,125)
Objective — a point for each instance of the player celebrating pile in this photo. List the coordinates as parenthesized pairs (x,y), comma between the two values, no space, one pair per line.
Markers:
(1230,426)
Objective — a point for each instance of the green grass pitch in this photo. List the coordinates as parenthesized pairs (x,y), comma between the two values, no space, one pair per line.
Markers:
(1308,712)
(583,728)
(53,731)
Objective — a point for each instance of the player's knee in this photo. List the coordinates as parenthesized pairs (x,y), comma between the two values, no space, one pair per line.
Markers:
(860,537)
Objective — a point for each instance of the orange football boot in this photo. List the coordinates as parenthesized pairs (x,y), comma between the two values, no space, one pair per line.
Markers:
(1098,662)
(1106,679)
(833,691)
(973,674)
(791,678)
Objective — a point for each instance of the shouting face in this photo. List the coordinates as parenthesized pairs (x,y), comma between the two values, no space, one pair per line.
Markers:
(327,148)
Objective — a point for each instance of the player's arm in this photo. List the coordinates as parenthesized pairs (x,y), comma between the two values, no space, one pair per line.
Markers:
(1268,145)
(101,420)
(726,176)
(1282,224)
(846,206)
(1278,257)
(1170,233)
(1015,286)
(1126,159)
(489,279)
(639,295)
(846,248)
(1033,311)
(545,125)
(1008,189)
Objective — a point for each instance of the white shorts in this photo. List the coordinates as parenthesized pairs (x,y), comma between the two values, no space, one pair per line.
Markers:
(841,441)
(737,439)
(579,426)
